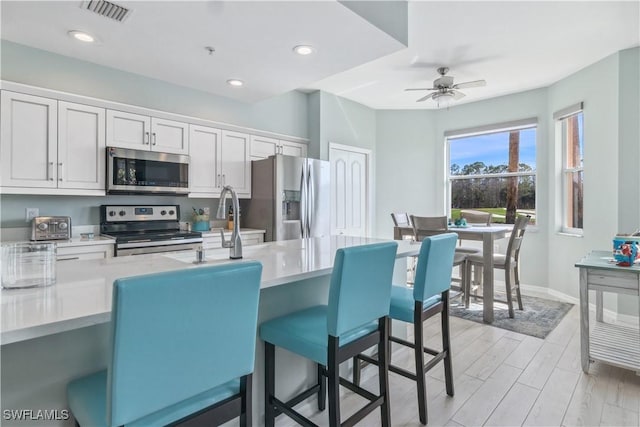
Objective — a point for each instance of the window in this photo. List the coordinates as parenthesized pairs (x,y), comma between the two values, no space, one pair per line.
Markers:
(493,169)
(569,124)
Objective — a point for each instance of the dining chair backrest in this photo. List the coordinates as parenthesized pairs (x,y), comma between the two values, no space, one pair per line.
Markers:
(435,263)
(360,289)
(401,219)
(515,240)
(178,334)
(476,217)
(425,226)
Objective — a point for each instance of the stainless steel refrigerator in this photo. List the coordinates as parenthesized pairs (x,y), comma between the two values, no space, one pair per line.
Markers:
(290,198)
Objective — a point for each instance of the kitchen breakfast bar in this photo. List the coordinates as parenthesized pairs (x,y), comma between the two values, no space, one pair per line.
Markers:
(52,335)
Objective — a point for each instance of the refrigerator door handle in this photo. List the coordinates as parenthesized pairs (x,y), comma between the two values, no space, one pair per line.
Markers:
(303,203)
(310,202)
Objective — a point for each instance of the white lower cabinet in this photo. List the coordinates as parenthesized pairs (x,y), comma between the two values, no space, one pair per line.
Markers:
(214,241)
(71,253)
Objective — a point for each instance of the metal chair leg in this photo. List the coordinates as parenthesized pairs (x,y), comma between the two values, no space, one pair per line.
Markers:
(322,392)
(269,384)
(446,345)
(383,370)
(419,361)
(334,382)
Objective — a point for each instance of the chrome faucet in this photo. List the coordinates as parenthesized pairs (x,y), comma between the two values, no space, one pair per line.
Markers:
(235,244)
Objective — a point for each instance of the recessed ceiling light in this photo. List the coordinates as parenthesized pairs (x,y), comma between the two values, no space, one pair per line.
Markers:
(82,36)
(303,49)
(235,82)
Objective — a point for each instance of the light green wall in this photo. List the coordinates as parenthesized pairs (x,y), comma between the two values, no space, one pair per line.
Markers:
(345,122)
(405,160)
(286,114)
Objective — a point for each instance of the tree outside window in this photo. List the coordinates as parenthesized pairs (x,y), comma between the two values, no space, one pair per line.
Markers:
(494,171)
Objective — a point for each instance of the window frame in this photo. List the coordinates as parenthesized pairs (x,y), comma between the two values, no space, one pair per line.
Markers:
(566,173)
(451,136)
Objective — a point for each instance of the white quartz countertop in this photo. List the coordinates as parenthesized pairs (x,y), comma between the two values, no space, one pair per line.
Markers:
(82,295)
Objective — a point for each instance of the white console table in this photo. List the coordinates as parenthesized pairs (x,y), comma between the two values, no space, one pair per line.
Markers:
(606,342)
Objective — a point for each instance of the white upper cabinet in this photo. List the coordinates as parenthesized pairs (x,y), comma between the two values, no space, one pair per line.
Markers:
(81,146)
(263,147)
(204,167)
(289,148)
(49,144)
(139,132)
(235,165)
(29,140)
(218,158)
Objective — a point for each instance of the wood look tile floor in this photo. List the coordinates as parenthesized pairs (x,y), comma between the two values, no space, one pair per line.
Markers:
(503,378)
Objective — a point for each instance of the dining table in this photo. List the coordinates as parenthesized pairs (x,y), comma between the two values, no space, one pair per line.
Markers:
(487,235)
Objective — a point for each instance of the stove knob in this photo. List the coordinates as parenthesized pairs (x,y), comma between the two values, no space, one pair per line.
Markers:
(171,212)
(62,226)
(112,213)
(163,212)
(122,213)
(43,226)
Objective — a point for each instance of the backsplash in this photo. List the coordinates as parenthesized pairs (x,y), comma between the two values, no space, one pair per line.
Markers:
(85,210)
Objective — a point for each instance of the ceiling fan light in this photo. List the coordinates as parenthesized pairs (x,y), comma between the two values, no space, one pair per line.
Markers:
(443,99)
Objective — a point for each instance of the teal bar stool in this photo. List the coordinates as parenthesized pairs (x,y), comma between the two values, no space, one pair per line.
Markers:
(173,357)
(354,319)
(429,296)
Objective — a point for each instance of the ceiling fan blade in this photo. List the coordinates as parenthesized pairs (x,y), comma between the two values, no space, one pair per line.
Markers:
(475,83)
(457,94)
(424,98)
(420,88)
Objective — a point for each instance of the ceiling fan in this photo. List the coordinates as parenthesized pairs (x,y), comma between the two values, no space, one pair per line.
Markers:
(445,89)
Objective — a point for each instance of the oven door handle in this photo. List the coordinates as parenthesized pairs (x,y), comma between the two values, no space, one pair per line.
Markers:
(158,243)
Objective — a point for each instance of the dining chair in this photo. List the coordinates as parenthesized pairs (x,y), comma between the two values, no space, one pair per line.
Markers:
(426,226)
(173,358)
(355,319)
(401,219)
(476,217)
(508,262)
(430,296)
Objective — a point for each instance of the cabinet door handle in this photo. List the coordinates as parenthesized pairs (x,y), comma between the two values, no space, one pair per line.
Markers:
(224,180)
(218,180)
(50,171)
(146,138)
(60,171)
(68,259)
(154,138)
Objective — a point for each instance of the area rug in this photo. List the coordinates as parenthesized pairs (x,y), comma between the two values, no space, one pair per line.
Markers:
(539,317)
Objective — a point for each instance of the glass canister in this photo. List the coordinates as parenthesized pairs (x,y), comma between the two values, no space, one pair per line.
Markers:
(27,265)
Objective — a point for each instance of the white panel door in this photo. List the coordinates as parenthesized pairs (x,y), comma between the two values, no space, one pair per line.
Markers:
(349,192)
(235,164)
(289,148)
(81,146)
(204,164)
(126,130)
(28,146)
(168,136)
(263,147)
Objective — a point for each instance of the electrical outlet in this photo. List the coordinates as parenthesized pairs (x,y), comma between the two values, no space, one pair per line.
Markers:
(30,213)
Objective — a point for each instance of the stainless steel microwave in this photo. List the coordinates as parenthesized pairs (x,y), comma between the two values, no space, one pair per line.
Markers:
(138,171)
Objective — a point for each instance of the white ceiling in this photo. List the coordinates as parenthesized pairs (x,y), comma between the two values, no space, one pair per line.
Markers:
(513,45)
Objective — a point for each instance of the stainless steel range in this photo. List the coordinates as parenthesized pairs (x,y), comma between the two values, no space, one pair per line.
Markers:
(145,229)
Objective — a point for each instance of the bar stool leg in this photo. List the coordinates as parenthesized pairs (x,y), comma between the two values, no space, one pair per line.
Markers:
(246,388)
(419,359)
(384,326)
(269,384)
(334,382)
(356,371)
(446,344)
(322,393)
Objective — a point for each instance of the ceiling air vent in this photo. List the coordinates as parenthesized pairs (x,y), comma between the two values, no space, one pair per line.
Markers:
(107,9)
